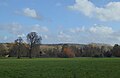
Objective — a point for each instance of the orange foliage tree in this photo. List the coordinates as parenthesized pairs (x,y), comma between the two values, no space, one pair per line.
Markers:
(67,51)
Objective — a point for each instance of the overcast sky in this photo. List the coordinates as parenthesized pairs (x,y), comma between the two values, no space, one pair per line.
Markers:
(61,21)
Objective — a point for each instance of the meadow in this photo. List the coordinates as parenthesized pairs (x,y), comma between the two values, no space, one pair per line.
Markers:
(60,68)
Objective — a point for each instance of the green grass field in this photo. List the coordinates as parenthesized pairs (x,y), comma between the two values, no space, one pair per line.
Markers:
(60,68)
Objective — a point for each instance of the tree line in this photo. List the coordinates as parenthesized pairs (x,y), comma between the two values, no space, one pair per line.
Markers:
(34,48)
(33,40)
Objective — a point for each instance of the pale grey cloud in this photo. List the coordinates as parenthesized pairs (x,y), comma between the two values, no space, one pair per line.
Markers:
(77,29)
(13,28)
(31,13)
(45,36)
(96,34)
(109,12)
(39,28)
(63,36)
(101,29)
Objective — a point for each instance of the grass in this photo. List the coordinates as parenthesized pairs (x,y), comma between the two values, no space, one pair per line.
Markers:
(60,68)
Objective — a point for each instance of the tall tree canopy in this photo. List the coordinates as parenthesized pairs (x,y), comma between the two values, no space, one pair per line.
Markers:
(18,43)
(33,40)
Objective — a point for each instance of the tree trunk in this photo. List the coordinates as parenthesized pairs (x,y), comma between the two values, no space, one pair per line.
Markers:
(18,53)
(30,52)
(18,56)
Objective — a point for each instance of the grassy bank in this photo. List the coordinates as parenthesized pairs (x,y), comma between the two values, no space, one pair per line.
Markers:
(60,68)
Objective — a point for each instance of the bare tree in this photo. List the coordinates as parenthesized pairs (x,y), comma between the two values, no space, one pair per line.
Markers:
(33,40)
(18,42)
